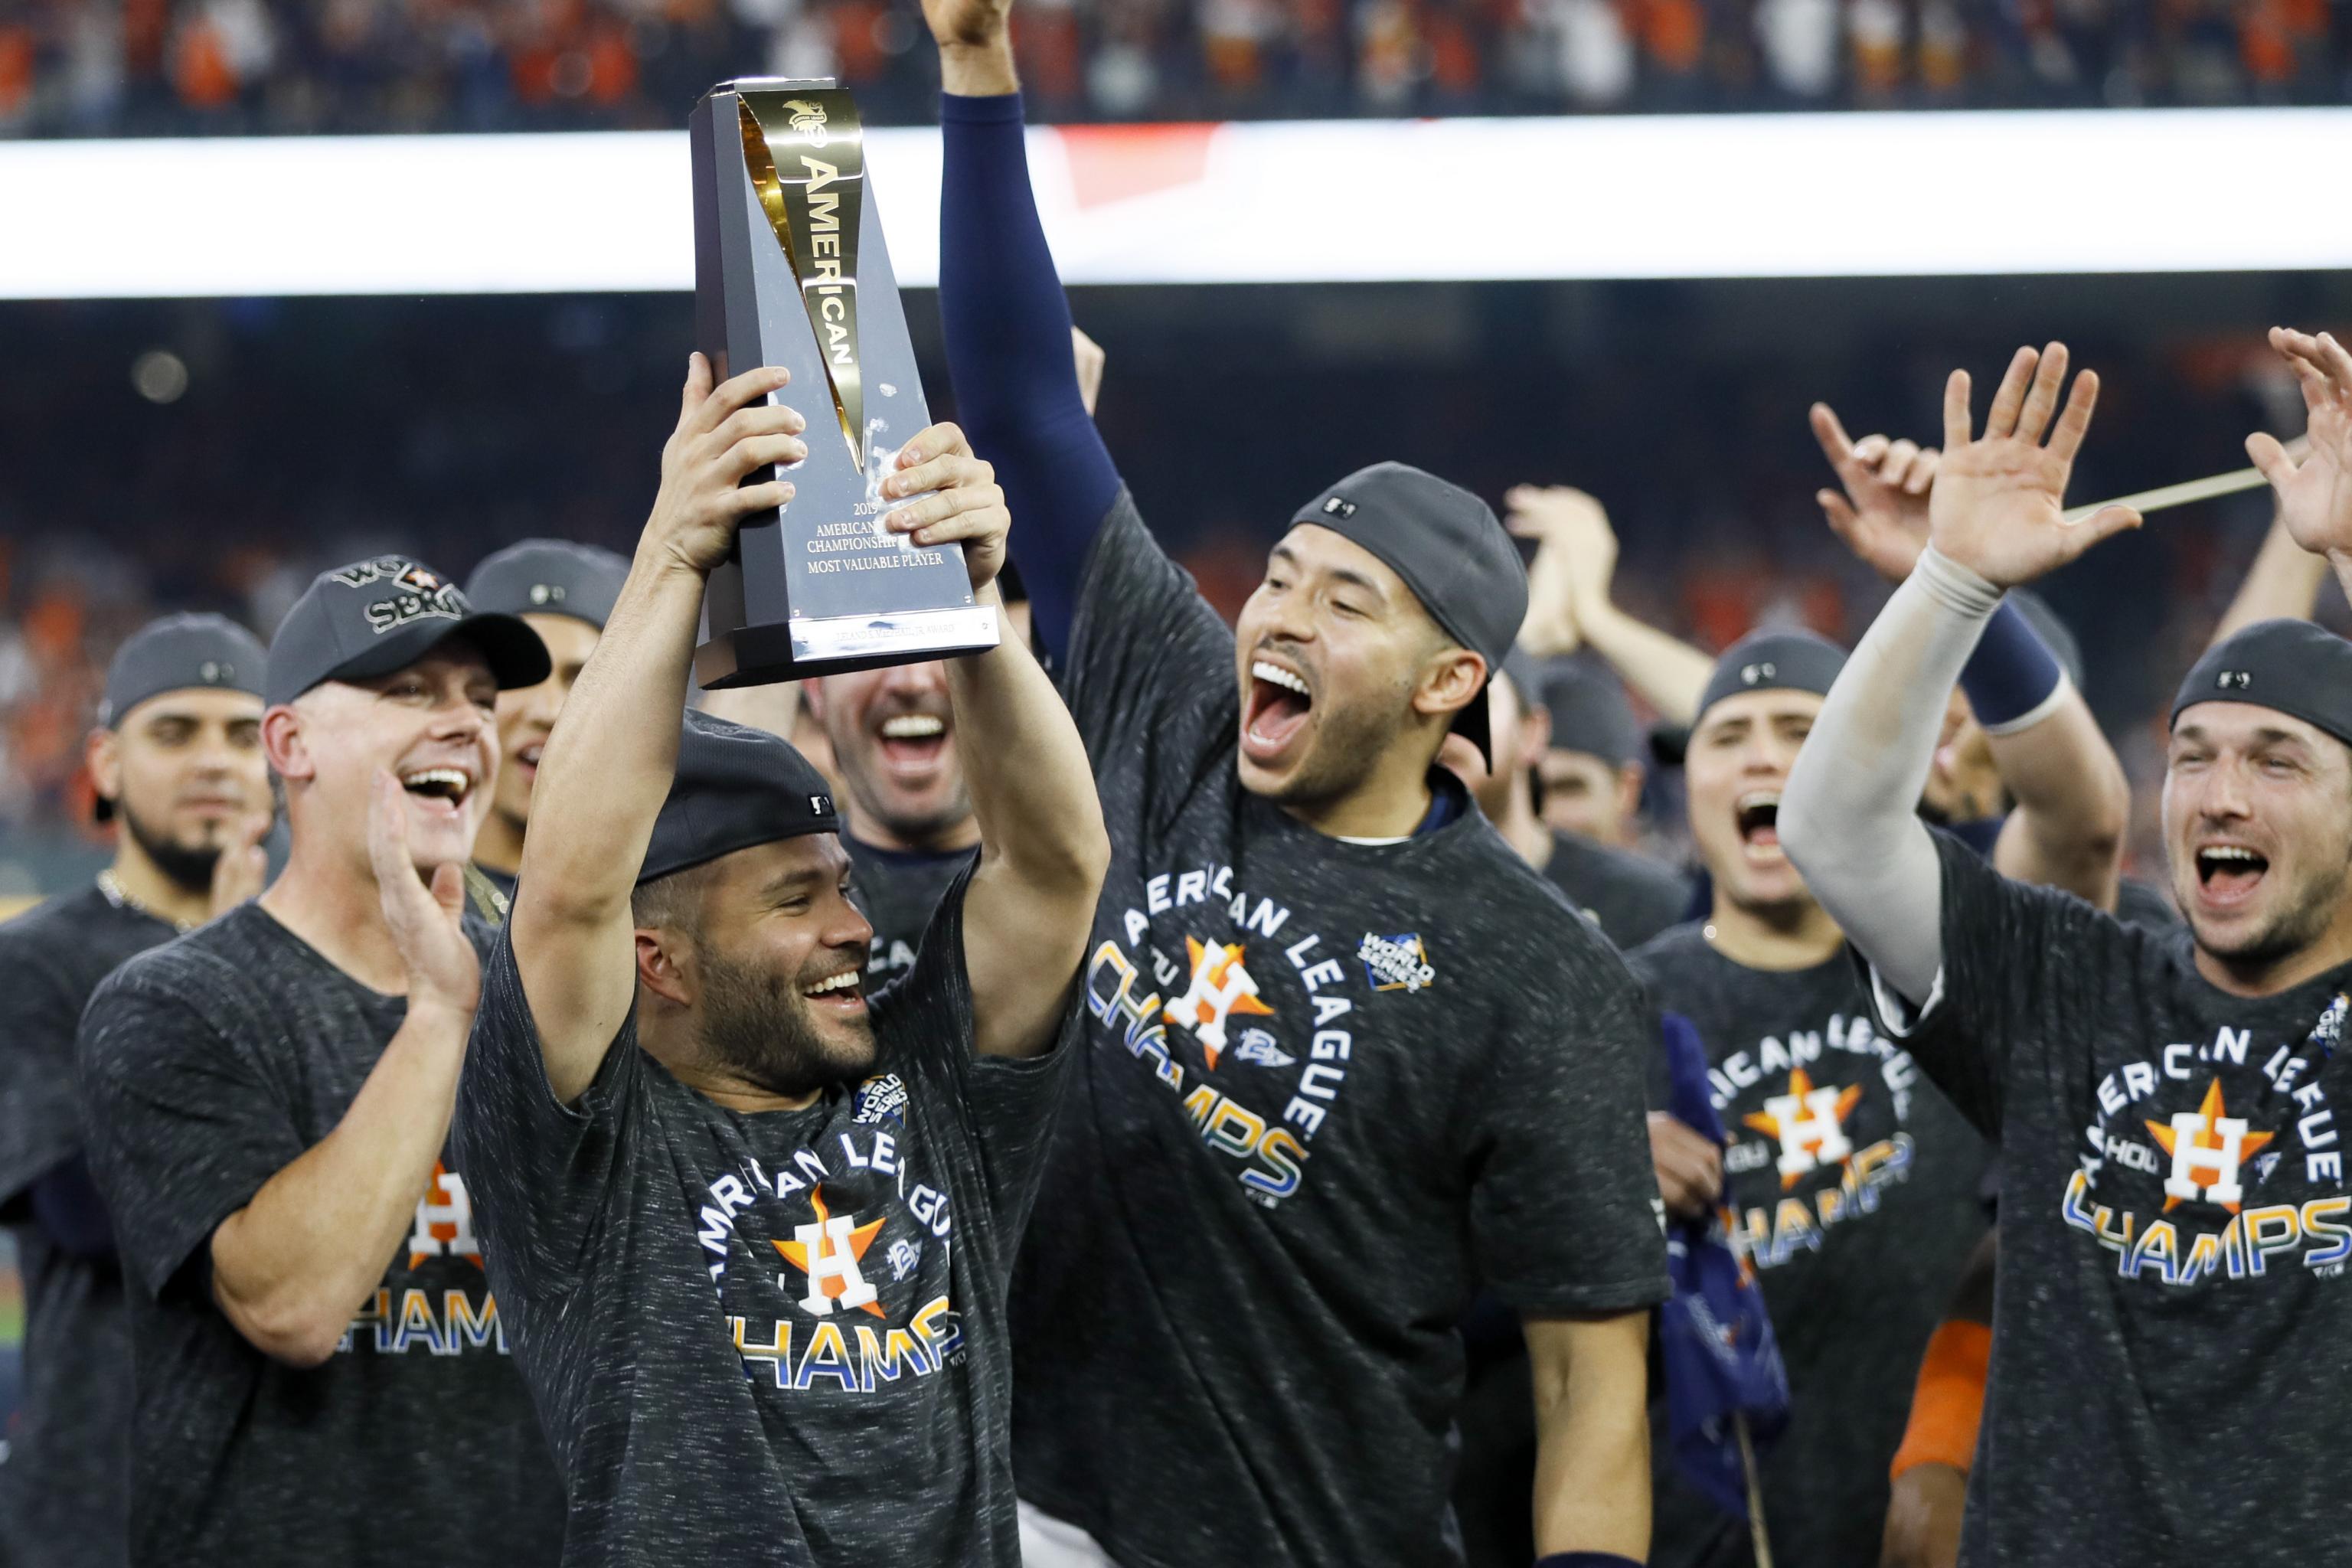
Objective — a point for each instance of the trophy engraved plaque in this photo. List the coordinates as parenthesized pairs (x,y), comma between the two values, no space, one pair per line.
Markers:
(790,269)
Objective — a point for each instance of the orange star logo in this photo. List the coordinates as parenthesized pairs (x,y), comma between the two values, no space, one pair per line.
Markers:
(1221,987)
(2208,1136)
(1806,1129)
(832,1283)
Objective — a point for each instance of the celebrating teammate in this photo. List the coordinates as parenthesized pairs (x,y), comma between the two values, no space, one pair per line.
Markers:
(1350,1055)
(753,1228)
(323,1376)
(176,759)
(564,592)
(2172,1223)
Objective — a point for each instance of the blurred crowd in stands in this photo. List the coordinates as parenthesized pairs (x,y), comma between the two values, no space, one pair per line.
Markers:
(78,68)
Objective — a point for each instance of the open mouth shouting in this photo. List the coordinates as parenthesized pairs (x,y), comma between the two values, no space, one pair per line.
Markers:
(843,993)
(913,744)
(2228,874)
(1275,711)
(441,791)
(1757,814)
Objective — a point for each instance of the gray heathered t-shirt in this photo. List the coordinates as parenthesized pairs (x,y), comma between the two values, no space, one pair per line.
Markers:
(1328,1090)
(209,1065)
(1630,898)
(775,1338)
(64,1491)
(1854,1191)
(898,889)
(2169,1364)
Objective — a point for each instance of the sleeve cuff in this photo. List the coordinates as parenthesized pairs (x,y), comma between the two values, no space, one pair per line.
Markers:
(1895,1015)
(997,109)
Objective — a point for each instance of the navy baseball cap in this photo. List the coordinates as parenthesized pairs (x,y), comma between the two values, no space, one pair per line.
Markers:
(1589,712)
(2293,667)
(1450,549)
(175,654)
(549,578)
(377,616)
(735,787)
(1773,661)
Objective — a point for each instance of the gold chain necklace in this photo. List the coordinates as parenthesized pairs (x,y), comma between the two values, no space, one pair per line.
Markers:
(120,897)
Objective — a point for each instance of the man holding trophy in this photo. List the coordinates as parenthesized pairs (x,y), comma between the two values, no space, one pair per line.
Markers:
(753,1230)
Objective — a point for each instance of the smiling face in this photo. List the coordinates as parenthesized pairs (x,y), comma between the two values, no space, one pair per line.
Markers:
(2258,831)
(1339,666)
(1737,765)
(527,714)
(892,732)
(432,725)
(185,771)
(765,957)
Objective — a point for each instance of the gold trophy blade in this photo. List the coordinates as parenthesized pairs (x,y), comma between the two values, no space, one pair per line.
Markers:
(801,224)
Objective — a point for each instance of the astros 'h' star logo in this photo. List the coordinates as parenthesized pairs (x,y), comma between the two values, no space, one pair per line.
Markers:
(1221,987)
(1809,1123)
(828,1253)
(2210,1142)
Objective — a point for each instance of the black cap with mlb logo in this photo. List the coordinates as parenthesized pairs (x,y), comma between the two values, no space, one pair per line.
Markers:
(1450,549)
(550,577)
(1774,661)
(374,617)
(2293,667)
(178,653)
(735,787)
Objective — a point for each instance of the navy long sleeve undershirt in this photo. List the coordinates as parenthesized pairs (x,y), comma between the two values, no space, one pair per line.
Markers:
(1007,327)
(67,1205)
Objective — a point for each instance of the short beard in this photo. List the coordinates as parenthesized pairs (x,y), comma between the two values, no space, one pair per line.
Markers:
(911,830)
(756,1023)
(1347,748)
(190,870)
(2298,925)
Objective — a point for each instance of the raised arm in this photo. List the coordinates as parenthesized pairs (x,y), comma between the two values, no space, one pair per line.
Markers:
(2283,584)
(1569,601)
(2073,802)
(608,765)
(1005,322)
(2315,496)
(1044,851)
(1848,818)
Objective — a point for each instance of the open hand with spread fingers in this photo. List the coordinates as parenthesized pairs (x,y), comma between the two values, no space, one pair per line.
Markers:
(1576,559)
(428,922)
(2315,496)
(1998,502)
(1881,514)
(964,505)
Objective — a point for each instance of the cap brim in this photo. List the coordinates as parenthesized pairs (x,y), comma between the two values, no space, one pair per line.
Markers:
(515,655)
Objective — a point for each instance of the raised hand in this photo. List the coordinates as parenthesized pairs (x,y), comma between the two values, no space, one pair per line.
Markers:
(2315,496)
(966,21)
(1575,558)
(243,866)
(1995,507)
(1883,515)
(964,507)
(427,923)
(721,435)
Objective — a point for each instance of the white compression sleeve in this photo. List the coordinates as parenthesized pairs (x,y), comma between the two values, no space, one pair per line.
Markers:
(1850,817)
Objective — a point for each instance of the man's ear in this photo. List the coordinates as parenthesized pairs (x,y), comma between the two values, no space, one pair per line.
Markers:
(102,754)
(1535,733)
(812,699)
(1451,679)
(283,742)
(659,966)
(1628,791)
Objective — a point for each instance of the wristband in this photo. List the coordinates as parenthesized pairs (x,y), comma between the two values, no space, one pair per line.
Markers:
(2013,679)
(1950,1400)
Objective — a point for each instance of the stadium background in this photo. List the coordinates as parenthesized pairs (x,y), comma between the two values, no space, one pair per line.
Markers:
(160,454)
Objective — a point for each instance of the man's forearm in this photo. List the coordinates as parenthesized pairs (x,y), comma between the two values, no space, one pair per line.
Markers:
(2283,584)
(608,764)
(2073,803)
(1593,1437)
(291,1267)
(1849,817)
(1669,673)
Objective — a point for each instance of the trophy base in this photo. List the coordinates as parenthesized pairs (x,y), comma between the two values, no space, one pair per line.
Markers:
(807,647)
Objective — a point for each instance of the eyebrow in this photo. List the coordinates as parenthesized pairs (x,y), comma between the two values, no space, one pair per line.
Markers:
(789,880)
(1288,557)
